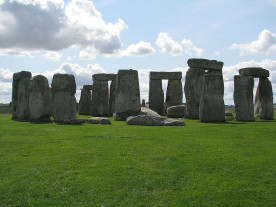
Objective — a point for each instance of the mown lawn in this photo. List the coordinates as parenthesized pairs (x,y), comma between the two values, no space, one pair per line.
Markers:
(227,164)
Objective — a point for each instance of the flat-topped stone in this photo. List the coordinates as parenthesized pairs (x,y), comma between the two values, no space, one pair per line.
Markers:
(104,76)
(22,74)
(64,82)
(87,87)
(205,64)
(157,75)
(254,72)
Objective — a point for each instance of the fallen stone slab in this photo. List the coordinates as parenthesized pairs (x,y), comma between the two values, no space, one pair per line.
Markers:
(99,120)
(205,64)
(176,111)
(254,72)
(158,75)
(147,111)
(146,120)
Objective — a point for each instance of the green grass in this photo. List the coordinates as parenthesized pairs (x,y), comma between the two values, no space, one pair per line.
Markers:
(226,164)
(5,109)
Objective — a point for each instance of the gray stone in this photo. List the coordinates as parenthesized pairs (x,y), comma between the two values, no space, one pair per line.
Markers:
(127,100)
(264,100)
(99,120)
(255,72)
(40,103)
(205,64)
(22,108)
(158,75)
(104,77)
(228,113)
(100,98)
(174,94)
(211,108)
(112,97)
(156,96)
(193,91)
(143,103)
(243,98)
(176,111)
(147,111)
(63,98)
(147,120)
(21,75)
(85,102)
(87,87)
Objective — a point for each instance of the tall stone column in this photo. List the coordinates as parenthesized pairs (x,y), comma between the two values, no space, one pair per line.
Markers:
(174,94)
(112,97)
(100,98)
(156,96)
(85,100)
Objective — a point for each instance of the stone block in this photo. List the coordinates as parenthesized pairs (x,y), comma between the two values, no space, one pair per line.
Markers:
(104,77)
(158,75)
(205,64)
(254,72)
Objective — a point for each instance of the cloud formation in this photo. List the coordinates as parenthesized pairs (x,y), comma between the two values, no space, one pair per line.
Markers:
(140,49)
(265,44)
(190,48)
(168,45)
(54,56)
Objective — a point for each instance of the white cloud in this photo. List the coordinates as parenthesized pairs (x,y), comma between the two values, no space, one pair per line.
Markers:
(273,2)
(139,49)
(265,44)
(5,75)
(217,53)
(190,48)
(168,45)
(54,56)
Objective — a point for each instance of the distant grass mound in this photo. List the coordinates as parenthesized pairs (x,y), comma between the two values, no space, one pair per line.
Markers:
(5,109)
(225,164)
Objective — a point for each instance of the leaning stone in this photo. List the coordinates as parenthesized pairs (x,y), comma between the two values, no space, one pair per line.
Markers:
(22,108)
(40,103)
(243,98)
(99,120)
(156,96)
(211,108)
(176,111)
(159,75)
(85,101)
(205,64)
(100,98)
(193,91)
(127,99)
(104,77)
(146,120)
(174,94)
(264,100)
(255,72)
(147,111)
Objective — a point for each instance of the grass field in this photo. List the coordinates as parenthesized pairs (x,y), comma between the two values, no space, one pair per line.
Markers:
(227,164)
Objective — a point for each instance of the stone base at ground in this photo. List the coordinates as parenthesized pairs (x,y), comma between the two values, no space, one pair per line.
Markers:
(176,111)
(99,120)
(146,120)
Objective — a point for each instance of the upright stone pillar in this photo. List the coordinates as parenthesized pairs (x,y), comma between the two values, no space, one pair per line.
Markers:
(63,96)
(100,98)
(156,96)
(85,100)
(112,97)
(264,100)
(243,98)
(40,103)
(127,101)
(174,94)
(212,107)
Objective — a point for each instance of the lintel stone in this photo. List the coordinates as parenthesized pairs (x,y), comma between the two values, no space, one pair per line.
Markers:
(255,72)
(87,87)
(104,76)
(157,75)
(205,64)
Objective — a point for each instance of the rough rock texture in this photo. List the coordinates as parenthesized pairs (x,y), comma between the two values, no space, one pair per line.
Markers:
(63,98)
(143,103)
(112,97)
(87,87)
(147,111)
(147,120)
(100,98)
(193,91)
(205,64)
(255,72)
(104,77)
(156,75)
(174,94)
(99,120)
(156,96)
(85,102)
(127,100)
(211,108)
(243,98)
(264,100)
(40,100)
(22,108)
(15,85)
(176,111)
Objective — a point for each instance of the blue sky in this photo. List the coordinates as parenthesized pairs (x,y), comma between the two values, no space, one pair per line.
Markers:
(83,37)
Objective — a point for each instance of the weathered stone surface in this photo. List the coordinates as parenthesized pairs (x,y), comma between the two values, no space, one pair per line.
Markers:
(63,98)
(127,100)
(112,97)
(143,103)
(104,77)
(156,96)
(193,91)
(100,98)
(85,102)
(158,75)
(22,74)
(176,111)
(147,120)
(255,72)
(205,64)
(243,98)
(147,111)
(264,100)
(174,94)
(40,100)
(22,108)
(87,87)
(99,120)
(211,108)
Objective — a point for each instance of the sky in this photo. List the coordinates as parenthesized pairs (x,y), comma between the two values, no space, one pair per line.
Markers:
(85,37)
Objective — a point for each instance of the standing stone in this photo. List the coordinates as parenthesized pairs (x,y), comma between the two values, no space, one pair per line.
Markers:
(193,91)
(243,98)
(174,94)
(85,100)
(112,97)
(15,86)
(156,96)
(176,111)
(127,101)
(100,98)
(211,108)
(264,100)
(143,103)
(63,96)
(22,110)
(40,99)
